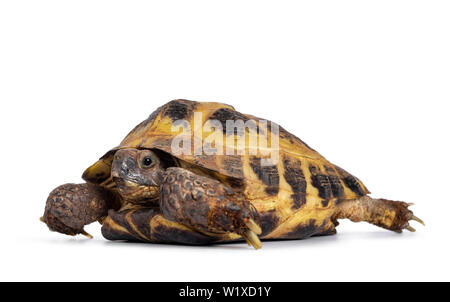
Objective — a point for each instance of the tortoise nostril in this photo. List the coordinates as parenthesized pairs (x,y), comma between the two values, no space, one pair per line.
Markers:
(124,170)
(130,163)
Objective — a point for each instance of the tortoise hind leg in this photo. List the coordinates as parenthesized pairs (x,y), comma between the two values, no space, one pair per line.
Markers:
(70,207)
(148,225)
(388,214)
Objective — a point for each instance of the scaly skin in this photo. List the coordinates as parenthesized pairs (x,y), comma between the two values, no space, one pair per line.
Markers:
(207,205)
(70,207)
(388,214)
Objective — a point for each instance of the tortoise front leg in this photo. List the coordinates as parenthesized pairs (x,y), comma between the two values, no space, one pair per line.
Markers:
(70,207)
(148,225)
(207,205)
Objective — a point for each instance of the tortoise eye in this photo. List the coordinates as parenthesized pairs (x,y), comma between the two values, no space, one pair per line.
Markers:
(147,159)
(147,162)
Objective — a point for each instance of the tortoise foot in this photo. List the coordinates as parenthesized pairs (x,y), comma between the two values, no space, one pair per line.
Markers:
(70,207)
(402,216)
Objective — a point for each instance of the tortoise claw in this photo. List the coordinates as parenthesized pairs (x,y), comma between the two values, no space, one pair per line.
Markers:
(83,232)
(417,219)
(410,228)
(251,234)
(252,239)
(248,242)
(252,226)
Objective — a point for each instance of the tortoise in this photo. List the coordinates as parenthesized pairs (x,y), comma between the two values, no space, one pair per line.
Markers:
(147,190)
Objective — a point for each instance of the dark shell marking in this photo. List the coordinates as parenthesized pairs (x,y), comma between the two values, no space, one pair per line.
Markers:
(124,219)
(351,182)
(112,234)
(328,231)
(335,182)
(268,221)
(224,114)
(176,110)
(321,182)
(329,185)
(140,219)
(325,203)
(267,174)
(305,230)
(296,179)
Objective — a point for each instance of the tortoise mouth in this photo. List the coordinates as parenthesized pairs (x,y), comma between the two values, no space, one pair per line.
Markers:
(126,182)
(135,192)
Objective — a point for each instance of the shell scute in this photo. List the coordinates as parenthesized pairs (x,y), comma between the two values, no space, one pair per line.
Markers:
(296,179)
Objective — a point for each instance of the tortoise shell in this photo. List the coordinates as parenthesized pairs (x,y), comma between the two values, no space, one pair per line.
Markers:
(302,179)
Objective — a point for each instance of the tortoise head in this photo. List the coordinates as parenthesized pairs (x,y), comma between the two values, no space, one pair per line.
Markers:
(137,174)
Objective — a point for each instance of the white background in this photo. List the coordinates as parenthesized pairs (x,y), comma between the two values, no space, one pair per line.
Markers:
(366,83)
